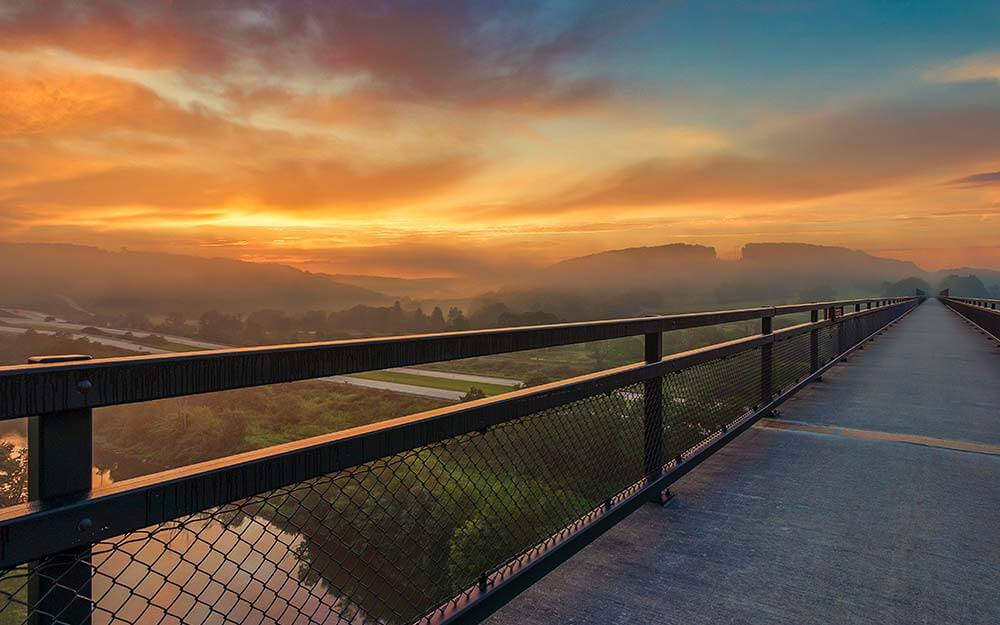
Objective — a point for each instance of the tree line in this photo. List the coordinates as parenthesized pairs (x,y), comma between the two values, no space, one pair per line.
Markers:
(276,326)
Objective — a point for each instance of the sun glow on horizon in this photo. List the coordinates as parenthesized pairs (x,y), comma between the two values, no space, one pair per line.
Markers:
(182,128)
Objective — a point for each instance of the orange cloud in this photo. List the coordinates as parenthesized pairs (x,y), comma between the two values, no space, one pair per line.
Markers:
(338,182)
(277,187)
(845,152)
(121,121)
(56,103)
(107,30)
(65,103)
(475,54)
(74,141)
(972,68)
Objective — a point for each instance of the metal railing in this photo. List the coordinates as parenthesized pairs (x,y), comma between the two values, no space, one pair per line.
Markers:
(437,517)
(984,313)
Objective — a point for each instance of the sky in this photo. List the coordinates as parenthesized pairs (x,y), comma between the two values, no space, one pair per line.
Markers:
(439,137)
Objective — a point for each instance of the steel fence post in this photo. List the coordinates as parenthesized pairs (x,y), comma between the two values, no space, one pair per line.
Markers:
(60,464)
(766,361)
(653,415)
(814,344)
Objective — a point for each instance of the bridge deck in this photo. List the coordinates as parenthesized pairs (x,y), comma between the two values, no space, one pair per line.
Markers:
(874,499)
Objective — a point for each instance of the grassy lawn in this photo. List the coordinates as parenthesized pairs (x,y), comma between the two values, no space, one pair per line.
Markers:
(172,347)
(461,386)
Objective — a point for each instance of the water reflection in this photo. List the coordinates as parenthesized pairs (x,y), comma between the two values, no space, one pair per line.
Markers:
(108,468)
(211,570)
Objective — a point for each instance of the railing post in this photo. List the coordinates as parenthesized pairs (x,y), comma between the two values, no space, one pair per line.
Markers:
(766,361)
(60,464)
(814,344)
(841,339)
(653,414)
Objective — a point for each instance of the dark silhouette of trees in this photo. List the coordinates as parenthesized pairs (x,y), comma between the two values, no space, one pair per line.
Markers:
(964,286)
(136,320)
(13,474)
(907,286)
(474,393)
(175,322)
(457,320)
(221,327)
(437,322)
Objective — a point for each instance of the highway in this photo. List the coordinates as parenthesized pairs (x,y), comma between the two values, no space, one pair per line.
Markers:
(37,320)
(102,340)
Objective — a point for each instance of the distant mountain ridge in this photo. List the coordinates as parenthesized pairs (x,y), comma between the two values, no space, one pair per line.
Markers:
(416,288)
(158,282)
(825,259)
(681,277)
(651,267)
(988,276)
(672,252)
(614,282)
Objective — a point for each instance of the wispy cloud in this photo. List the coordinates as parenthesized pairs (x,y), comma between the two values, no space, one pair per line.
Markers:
(853,150)
(984,66)
(986,179)
(315,130)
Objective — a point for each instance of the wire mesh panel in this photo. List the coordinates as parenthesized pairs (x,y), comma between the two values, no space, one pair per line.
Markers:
(701,400)
(383,542)
(829,341)
(790,360)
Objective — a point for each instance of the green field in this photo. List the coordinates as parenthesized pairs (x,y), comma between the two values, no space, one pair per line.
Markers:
(168,345)
(447,384)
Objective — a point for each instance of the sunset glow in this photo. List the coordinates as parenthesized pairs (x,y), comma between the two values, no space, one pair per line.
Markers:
(406,138)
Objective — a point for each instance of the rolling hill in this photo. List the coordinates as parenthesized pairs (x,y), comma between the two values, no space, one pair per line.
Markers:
(40,275)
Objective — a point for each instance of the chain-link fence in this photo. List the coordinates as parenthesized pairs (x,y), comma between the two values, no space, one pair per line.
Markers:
(397,539)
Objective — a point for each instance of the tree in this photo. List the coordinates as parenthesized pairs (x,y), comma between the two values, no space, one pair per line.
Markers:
(420,321)
(614,352)
(907,286)
(221,327)
(457,320)
(437,322)
(489,314)
(599,352)
(176,321)
(137,320)
(13,475)
(397,319)
(964,286)
(473,394)
(313,321)
(272,321)
(817,293)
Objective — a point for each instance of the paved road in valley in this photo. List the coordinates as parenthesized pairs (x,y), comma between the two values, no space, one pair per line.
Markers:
(36,320)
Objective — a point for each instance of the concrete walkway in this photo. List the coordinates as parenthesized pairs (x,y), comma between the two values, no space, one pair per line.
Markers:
(874,498)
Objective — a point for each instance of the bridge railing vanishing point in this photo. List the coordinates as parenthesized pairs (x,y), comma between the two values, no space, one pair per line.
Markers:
(437,517)
(984,313)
